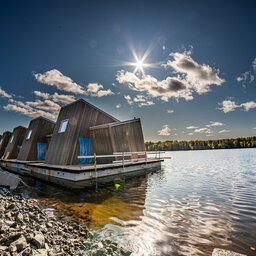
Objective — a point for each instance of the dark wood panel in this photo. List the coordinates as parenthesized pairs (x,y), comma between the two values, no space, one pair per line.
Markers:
(5,139)
(40,127)
(18,135)
(121,137)
(64,147)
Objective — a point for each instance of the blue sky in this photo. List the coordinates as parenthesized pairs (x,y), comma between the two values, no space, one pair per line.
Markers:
(197,79)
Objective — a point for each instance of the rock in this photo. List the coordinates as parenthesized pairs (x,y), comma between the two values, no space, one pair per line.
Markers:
(49,225)
(26,252)
(38,240)
(3,248)
(100,245)
(18,245)
(222,252)
(20,217)
(11,206)
(10,223)
(29,237)
(2,209)
(8,215)
(40,252)
(3,228)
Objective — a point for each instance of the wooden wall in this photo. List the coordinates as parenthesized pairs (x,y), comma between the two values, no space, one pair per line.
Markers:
(5,139)
(64,147)
(128,137)
(18,137)
(120,137)
(40,128)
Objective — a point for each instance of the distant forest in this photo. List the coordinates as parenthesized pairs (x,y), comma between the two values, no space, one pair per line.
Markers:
(174,145)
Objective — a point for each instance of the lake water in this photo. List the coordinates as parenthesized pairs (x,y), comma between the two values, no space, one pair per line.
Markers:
(199,200)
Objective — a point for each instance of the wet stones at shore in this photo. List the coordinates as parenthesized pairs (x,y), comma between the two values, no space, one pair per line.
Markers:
(26,229)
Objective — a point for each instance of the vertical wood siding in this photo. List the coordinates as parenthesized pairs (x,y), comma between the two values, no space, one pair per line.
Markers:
(64,147)
(12,150)
(122,137)
(40,128)
(5,139)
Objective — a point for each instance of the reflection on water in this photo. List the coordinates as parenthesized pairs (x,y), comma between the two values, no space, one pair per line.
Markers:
(198,201)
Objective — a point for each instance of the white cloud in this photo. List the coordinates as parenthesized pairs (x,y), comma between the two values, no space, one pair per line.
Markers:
(165,131)
(203,130)
(128,99)
(200,77)
(170,111)
(214,124)
(224,131)
(43,95)
(63,98)
(47,105)
(248,105)
(94,87)
(95,90)
(147,103)
(244,77)
(28,110)
(248,76)
(191,127)
(254,128)
(4,94)
(171,87)
(228,106)
(118,106)
(141,100)
(63,83)
(254,64)
(189,77)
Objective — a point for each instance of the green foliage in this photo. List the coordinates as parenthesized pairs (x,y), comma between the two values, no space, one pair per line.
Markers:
(249,142)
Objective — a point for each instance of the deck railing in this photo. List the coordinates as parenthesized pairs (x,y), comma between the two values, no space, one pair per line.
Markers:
(123,155)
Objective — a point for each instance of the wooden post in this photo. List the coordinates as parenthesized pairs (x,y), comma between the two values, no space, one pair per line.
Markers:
(146,160)
(95,166)
(123,160)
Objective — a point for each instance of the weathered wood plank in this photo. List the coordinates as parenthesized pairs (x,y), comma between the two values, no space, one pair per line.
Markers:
(39,127)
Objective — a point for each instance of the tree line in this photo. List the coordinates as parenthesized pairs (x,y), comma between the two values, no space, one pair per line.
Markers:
(173,145)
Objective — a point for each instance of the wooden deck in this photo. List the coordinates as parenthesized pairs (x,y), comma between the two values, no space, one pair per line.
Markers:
(78,176)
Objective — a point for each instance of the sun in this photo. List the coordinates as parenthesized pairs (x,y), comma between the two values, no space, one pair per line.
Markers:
(139,61)
(139,65)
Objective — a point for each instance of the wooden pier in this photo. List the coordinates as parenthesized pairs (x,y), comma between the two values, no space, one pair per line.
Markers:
(79,176)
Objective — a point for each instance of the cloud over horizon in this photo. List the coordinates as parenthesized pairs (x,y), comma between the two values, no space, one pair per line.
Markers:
(165,131)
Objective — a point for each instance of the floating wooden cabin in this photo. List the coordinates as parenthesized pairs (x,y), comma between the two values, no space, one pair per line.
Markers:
(124,136)
(15,142)
(35,143)
(87,144)
(4,142)
(71,137)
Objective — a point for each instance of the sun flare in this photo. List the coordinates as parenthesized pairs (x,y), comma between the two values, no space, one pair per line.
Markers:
(139,65)
(139,62)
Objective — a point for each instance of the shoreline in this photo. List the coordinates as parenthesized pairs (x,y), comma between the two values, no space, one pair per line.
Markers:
(26,228)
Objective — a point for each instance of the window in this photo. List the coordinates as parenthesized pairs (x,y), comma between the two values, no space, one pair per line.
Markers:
(29,134)
(63,126)
(11,140)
